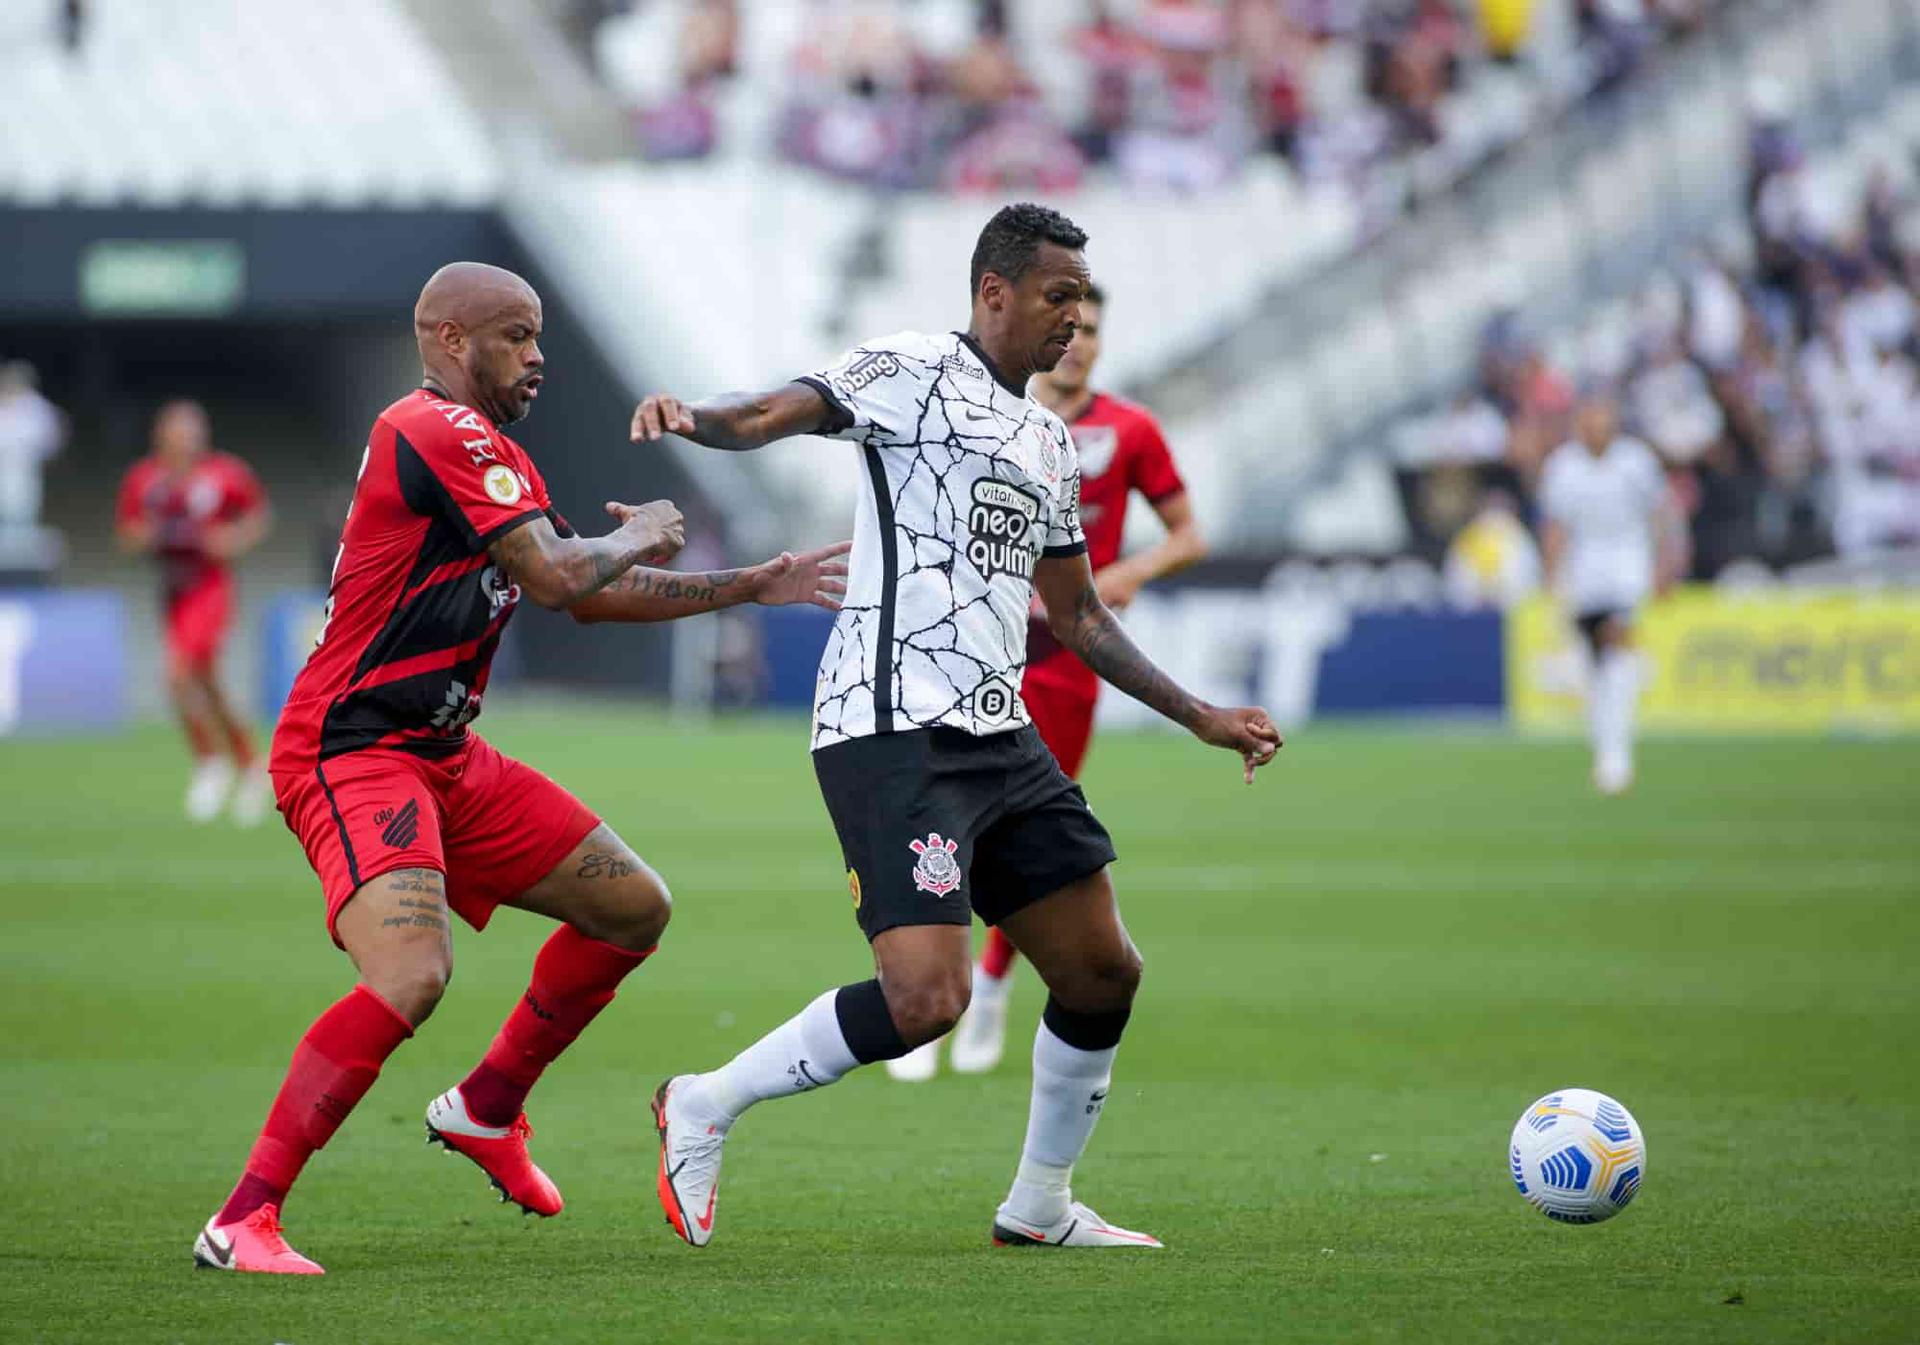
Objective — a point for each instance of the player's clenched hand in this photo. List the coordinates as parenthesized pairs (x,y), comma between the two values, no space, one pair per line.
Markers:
(657,526)
(1243,729)
(817,577)
(658,415)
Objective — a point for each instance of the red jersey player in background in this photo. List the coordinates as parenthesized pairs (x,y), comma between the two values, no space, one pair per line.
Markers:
(409,819)
(1121,452)
(197,511)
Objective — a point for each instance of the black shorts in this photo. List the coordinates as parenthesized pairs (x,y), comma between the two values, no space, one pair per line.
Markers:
(1590,624)
(936,821)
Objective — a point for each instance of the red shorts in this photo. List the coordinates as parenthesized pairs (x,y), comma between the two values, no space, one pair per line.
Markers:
(1060,701)
(494,826)
(197,620)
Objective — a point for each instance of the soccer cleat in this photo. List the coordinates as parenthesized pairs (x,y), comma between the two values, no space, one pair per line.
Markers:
(1078,1227)
(498,1151)
(1613,773)
(689,1180)
(252,798)
(917,1065)
(980,1037)
(251,1244)
(208,789)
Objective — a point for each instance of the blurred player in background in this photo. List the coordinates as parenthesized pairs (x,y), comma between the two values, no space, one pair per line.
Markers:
(405,816)
(944,797)
(1122,451)
(1610,538)
(197,511)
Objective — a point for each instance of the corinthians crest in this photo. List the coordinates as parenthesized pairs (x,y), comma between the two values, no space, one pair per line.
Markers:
(936,871)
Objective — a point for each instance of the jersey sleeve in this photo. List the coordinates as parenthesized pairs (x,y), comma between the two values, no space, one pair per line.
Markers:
(1154,473)
(131,505)
(879,385)
(1064,534)
(1556,501)
(243,492)
(473,482)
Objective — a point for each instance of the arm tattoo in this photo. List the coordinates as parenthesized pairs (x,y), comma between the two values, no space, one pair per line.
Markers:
(578,566)
(1107,649)
(600,864)
(665,584)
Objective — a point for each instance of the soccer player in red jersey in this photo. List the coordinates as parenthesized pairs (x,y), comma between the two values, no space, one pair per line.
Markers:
(196,511)
(1121,452)
(406,816)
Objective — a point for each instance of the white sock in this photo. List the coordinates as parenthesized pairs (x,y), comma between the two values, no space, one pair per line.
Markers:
(990,988)
(806,1052)
(1069,1090)
(1616,692)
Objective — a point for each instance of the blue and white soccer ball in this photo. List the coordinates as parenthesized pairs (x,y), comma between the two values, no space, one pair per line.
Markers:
(1577,1156)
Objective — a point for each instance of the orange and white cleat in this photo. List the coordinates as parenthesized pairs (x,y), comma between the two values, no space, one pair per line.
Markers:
(498,1151)
(689,1180)
(252,1244)
(1078,1227)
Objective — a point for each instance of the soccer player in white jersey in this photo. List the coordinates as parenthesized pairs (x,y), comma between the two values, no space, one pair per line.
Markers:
(1609,538)
(945,799)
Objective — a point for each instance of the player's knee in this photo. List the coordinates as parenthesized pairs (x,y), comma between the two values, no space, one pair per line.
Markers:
(638,919)
(926,1008)
(414,985)
(1105,983)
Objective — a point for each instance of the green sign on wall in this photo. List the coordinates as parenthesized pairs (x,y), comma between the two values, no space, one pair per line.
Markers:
(163,277)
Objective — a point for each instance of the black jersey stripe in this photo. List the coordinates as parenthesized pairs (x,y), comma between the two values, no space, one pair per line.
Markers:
(889,586)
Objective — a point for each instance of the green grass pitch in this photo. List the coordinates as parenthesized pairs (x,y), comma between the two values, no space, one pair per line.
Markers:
(1358,972)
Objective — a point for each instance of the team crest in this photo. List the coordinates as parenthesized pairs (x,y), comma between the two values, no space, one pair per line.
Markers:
(1095,445)
(936,871)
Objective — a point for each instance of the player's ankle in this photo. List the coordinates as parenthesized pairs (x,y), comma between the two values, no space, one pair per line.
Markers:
(249,1195)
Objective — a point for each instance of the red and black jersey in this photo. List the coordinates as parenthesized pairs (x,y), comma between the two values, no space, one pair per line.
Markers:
(416,607)
(1121,450)
(216,488)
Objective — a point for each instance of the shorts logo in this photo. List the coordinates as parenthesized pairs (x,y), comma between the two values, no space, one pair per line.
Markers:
(936,871)
(403,827)
(853,886)
(993,701)
(868,369)
(502,483)
(1000,521)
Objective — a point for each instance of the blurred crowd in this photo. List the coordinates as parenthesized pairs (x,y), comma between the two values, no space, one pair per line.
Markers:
(1778,380)
(1019,95)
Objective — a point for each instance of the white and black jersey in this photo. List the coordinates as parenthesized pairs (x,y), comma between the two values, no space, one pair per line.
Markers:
(965,483)
(1607,503)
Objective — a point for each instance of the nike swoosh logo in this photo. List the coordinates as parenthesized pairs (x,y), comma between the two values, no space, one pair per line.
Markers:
(222,1251)
(807,1074)
(976,417)
(706,1220)
(1100,1096)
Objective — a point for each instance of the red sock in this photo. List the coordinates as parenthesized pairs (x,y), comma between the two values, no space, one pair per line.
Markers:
(334,1065)
(996,959)
(574,977)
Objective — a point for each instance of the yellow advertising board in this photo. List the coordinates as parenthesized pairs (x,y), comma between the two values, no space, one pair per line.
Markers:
(1774,662)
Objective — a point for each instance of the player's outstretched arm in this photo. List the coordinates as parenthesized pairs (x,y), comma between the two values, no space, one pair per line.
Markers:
(1084,624)
(736,421)
(816,577)
(558,571)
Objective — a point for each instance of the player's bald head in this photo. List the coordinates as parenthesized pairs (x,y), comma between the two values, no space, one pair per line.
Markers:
(471,295)
(478,328)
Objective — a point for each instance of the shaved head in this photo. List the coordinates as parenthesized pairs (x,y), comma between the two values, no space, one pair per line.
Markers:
(470,294)
(478,329)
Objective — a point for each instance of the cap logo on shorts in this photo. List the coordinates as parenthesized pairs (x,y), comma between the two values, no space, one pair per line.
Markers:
(853,886)
(936,871)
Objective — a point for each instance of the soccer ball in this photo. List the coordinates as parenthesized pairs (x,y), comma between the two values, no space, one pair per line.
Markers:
(1577,1156)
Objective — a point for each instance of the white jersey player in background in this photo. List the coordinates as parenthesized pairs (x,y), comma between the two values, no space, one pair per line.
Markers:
(1610,538)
